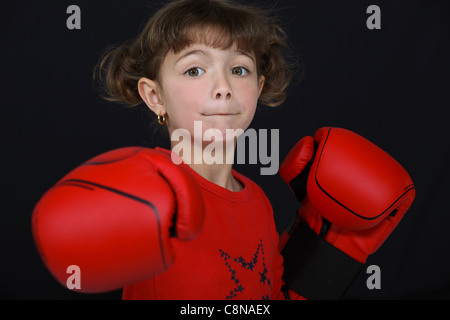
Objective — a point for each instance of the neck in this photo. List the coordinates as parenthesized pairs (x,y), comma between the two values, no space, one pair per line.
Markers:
(218,174)
(214,165)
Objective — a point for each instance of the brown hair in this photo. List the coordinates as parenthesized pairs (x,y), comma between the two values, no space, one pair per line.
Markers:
(219,23)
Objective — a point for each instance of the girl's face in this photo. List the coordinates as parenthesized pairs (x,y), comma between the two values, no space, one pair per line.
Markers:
(218,87)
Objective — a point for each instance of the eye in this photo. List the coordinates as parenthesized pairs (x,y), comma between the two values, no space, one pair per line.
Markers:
(239,71)
(194,72)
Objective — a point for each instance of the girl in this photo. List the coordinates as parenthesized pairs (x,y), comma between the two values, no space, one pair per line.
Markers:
(209,62)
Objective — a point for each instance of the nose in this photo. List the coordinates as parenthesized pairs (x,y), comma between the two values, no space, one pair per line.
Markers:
(223,96)
(222,89)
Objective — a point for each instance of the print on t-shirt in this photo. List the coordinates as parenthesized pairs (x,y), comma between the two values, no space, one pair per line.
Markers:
(256,266)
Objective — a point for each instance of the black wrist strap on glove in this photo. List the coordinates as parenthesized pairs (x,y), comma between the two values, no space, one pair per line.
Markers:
(316,269)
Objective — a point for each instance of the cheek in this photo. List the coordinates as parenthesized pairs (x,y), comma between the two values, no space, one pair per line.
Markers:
(182,100)
(248,95)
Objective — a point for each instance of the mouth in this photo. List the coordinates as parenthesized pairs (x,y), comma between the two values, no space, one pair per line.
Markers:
(219,114)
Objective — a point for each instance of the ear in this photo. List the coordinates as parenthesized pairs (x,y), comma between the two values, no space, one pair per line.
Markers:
(261,81)
(150,92)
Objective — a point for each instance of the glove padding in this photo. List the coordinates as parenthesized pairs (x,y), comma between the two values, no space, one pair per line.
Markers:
(353,194)
(113,217)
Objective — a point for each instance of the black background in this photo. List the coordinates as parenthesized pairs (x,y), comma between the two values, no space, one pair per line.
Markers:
(389,85)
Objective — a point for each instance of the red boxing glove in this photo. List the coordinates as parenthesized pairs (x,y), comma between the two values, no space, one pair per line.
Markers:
(353,193)
(113,217)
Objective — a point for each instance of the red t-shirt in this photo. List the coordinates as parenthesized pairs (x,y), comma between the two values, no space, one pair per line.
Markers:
(235,256)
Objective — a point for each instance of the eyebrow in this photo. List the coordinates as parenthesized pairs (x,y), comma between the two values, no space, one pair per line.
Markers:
(201,52)
(244,53)
(191,52)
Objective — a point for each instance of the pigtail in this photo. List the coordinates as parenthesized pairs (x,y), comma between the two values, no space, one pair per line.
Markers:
(274,64)
(118,73)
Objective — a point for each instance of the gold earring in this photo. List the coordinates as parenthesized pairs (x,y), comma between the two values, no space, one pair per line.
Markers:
(161,119)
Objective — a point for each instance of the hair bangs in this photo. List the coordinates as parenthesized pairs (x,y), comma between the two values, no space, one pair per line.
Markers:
(215,26)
